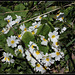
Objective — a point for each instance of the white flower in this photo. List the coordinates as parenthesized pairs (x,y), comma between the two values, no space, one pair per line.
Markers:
(20,35)
(56,28)
(37,54)
(55,43)
(36,25)
(5,30)
(20,49)
(40,68)
(32,30)
(18,19)
(8,18)
(47,60)
(28,55)
(53,35)
(11,23)
(23,28)
(32,46)
(63,29)
(44,41)
(57,55)
(30,58)
(38,18)
(56,49)
(12,41)
(8,58)
(45,16)
(60,16)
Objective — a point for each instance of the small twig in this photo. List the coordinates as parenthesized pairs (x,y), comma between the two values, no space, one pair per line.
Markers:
(1,57)
(36,5)
(13,12)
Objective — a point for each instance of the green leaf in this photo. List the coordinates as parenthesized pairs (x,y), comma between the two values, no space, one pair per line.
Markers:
(27,37)
(22,13)
(49,3)
(66,57)
(4,9)
(8,49)
(43,30)
(19,7)
(42,48)
(40,29)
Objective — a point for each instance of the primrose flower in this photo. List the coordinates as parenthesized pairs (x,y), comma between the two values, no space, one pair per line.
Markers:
(36,25)
(12,41)
(38,18)
(60,16)
(23,28)
(18,19)
(11,23)
(30,58)
(53,35)
(8,58)
(55,43)
(45,16)
(56,49)
(20,35)
(28,55)
(40,68)
(32,30)
(32,46)
(57,55)
(19,50)
(63,29)
(44,41)
(5,30)
(37,54)
(47,60)
(8,18)
(56,28)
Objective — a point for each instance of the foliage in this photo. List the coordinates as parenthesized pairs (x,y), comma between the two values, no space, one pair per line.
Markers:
(28,10)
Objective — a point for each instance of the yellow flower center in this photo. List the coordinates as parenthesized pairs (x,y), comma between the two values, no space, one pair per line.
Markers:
(38,65)
(8,20)
(57,14)
(57,43)
(19,36)
(12,41)
(45,68)
(44,39)
(16,22)
(40,17)
(35,26)
(53,36)
(8,59)
(37,52)
(5,58)
(30,55)
(2,30)
(33,32)
(44,56)
(57,53)
(25,29)
(62,17)
(32,46)
(20,50)
(47,59)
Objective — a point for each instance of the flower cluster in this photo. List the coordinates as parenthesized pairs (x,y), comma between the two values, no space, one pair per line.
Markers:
(44,59)
(10,23)
(8,58)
